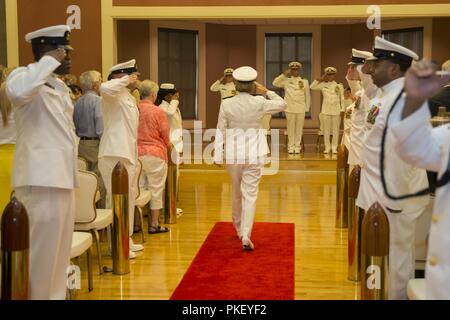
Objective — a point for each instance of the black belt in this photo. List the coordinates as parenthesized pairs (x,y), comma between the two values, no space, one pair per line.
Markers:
(88,139)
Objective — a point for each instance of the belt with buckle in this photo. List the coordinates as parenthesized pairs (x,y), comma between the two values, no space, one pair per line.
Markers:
(88,139)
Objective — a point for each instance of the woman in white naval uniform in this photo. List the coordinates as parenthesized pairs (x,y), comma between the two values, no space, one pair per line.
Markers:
(226,85)
(332,107)
(45,168)
(239,125)
(169,101)
(119,139)
(422,146)
(298,100)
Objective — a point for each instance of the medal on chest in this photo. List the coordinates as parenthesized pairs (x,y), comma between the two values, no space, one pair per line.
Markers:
(358,103)
(337,90)
(373,114)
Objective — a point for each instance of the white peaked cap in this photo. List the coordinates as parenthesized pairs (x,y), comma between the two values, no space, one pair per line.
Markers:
(167,86)
(245,74)
(389,50)
(126,67)
(359,56)
(49,32)
(55,35)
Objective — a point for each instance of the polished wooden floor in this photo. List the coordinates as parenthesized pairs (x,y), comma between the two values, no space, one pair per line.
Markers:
(302,193)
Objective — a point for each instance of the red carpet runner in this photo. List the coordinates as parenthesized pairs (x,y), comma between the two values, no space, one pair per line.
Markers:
(223,271)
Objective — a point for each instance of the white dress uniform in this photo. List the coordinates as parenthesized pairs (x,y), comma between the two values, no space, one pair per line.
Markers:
(401,178)
(298,100)
(246,147)
(349,107)
(175,123)
(364,90)
(333,105)
(45,166)
(119,139)
(227,90)
(422,146)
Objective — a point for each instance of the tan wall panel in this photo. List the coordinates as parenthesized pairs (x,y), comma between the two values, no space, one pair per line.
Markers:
(441,43)
(133,42)
(33,15)
(226,46)
(337,43)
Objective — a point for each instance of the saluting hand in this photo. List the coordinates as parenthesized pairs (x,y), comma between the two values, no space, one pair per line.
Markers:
(352,73)
(287,72)
(422,83)
(59,54)
(132,79)
(260,89)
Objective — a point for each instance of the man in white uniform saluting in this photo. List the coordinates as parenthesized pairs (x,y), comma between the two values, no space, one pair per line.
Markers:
(333,107)
(45,168)
(361,85)
(391,61)
(422,146)
(119,139)
(246,149)
(298,100)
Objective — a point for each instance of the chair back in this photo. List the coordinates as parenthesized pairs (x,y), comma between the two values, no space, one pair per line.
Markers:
(137,178)
(82,164)
(85,211)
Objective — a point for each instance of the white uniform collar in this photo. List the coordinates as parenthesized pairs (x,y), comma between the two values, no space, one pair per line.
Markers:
(396,84)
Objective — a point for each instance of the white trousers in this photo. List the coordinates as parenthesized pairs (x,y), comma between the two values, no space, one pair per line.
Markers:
(331,126)
(106,166)
(402,251)
(154,174)
(51,213)
(245,181)
(295,124)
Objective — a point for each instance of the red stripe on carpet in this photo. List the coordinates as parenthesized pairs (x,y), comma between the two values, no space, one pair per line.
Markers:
(223,271)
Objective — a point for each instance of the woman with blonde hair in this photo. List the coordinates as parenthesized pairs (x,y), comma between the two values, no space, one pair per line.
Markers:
(7,143)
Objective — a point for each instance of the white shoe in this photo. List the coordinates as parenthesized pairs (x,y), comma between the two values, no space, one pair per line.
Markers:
(135,247)
(326,152)
(298,150)
(247,245)
(334,151)
(291,150)
(132,255)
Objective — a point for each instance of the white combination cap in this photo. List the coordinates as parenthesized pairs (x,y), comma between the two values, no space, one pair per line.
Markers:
(128,67)
(385,49)
(167,86)
(330,70)
(228,71)
(295,65)
(55,36)
(245,74)
(359,56)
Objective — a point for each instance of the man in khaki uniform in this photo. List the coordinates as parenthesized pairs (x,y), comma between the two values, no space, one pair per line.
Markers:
(298,100)
(225,85)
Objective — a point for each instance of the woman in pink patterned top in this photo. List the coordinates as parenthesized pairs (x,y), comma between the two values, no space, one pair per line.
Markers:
(153,141)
